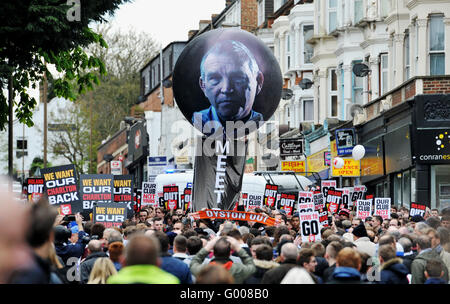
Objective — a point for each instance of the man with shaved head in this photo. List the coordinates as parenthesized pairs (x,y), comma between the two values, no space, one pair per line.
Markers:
(288,257)
(95,251)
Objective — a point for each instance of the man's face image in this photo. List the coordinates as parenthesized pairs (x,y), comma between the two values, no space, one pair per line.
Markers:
(230,85)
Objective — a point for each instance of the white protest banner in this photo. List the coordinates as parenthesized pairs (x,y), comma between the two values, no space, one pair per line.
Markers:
(252,201)
(305,202)
(319,203)
(149,196)
(383,207)
(327,185)
(358,193)
(363,208)
(310,227)
(346,197)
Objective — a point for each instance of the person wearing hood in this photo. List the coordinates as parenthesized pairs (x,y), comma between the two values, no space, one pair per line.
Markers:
(392,269)
(348,264)
(362,241)
(263,263)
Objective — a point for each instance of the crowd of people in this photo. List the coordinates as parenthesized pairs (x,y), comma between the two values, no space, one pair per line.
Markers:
(38,246)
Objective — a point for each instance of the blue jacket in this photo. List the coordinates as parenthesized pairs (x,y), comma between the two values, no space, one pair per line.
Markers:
(394,272)
(345,275)
(176,267)
(66,251)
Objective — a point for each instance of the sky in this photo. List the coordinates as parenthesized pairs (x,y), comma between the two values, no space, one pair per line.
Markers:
(165,20)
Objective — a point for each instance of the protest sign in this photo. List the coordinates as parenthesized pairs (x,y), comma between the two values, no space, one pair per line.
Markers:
(35,189)
(187,198)
(123,192)
(270,195)
(287,202)
(109,214)
(234,216)
(327,185)
(170,198)
(383,207)
(61,186)
(96,188)
(417,209)
(321,208)
(310,227)
(149,197)
(252,201)
(358,193)
(137,198)
(333,201)
(305,202)
(346,197)
(363,208)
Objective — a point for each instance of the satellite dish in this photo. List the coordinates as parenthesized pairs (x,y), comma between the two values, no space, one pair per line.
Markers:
(356,109)
(305,83)
(286,94)
(361,70)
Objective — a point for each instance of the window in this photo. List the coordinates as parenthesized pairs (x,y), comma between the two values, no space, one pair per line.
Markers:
(278,4)
(385,8)
(384,70)
(333,93)
(308,110)
(21,147)
(332,15)
(359,11)
(288,51)
(261,17)
(357,87)
(406,56)
(437,46)
(308,52)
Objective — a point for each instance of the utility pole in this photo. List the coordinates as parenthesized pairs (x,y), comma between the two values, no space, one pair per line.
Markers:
(10,130)
(90,133)
(44,99)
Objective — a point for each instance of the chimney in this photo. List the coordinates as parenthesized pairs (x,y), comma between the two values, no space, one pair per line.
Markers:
(192,33)
(202,24)
(228,2)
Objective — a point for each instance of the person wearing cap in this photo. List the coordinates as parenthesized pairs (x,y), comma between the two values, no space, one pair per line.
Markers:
(344,214)
(362,241)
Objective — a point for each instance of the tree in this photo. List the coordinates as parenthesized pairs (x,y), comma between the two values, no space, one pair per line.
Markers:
(37,163)
(73,140)
(36,33)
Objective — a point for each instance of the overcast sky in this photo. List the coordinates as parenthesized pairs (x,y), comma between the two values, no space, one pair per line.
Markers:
(166,20)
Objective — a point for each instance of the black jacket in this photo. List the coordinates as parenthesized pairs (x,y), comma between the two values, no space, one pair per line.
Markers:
(328,273)
(88,264)
(66,251)
(322,265)
(394,272)
(261,268)
(407,261)
(38,273)
(276,275)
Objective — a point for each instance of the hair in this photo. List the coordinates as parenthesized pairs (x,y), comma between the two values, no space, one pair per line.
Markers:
(98,229)
(235,49)
(318,249)
(95,246)
(379,218)
(144,210)
(103,268)
(190,232)
(386,252)
(142,250)
(247,238)
(433,222)
(364,265)
(163,240)
(42,218)
(115,236)
(333,249)
(261,240)
(180,242)
(235,234)
(386,239)
(115,250)
(53,258)
(406,244)
(214,274)
(141,226)
(443,235)
(194,244)
(244,230)
(326,232)
(289,251)
(128,231)
(349,257)
(421,227)
(270,231)
(279,231)
(127,223)
(255,232)
(222,248)
(87,227)
(264,252)
(424,242)
(304,256)
(434,268)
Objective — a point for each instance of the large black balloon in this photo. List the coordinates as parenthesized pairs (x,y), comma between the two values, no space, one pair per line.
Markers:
(187,92)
